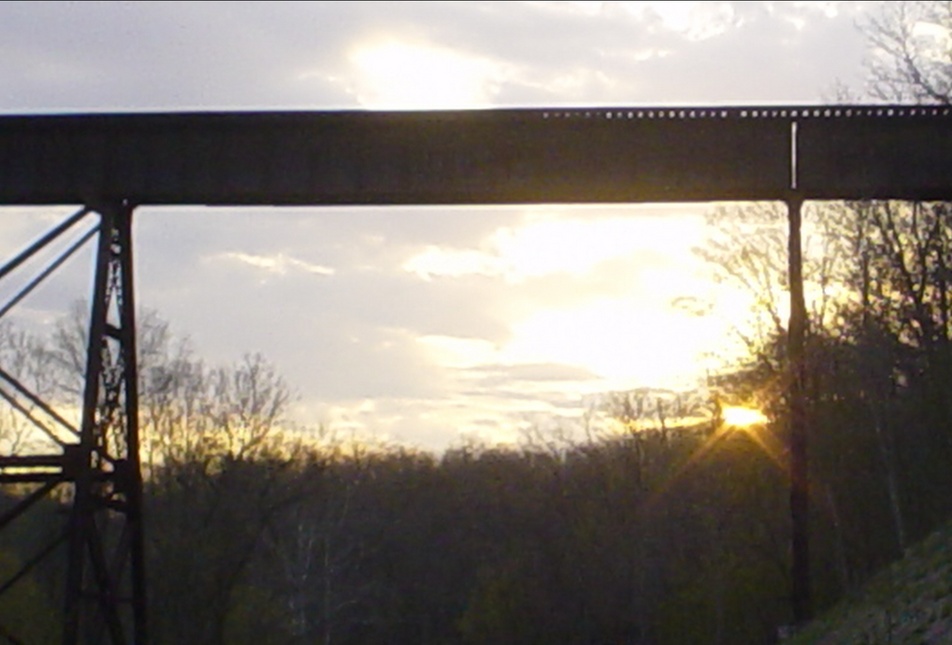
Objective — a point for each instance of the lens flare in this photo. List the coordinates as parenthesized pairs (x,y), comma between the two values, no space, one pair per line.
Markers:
(742,417)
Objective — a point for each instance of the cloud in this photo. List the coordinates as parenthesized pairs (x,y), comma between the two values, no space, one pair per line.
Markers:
(279,264)
(396,74)
(150,55)
(499,374)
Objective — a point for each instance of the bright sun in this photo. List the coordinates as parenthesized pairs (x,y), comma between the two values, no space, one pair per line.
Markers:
(742,417)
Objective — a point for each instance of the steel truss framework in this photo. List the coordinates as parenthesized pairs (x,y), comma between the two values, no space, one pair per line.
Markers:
(97,466)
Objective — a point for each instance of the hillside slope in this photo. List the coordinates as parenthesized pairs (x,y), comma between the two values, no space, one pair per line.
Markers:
(909,602)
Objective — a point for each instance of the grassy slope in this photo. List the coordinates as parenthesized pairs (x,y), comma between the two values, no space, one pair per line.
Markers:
(909,602)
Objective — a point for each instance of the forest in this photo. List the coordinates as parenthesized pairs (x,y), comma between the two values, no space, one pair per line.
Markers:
(660,531)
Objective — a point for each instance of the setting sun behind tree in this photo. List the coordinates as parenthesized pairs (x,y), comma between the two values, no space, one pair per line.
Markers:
(742,417)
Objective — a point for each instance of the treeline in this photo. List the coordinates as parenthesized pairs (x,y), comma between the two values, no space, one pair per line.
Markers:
(634,539)
(624,541)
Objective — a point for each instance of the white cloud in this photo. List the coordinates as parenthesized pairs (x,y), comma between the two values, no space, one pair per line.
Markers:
(551,241)
(434,261)
(694,20)
(280,264)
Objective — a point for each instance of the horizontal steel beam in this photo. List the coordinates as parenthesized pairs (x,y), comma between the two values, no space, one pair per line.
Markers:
(478,157)
(31,477)
(33,461)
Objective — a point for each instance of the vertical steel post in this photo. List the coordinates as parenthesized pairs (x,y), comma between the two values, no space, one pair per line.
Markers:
(799,478)
(105,596)
(133,465)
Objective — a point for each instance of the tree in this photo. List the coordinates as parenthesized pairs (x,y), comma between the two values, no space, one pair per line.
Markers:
(879,344)
(218,467)
(910,245)
(912,52)
(25,357)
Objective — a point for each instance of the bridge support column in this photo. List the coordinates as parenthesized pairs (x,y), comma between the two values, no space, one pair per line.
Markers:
(105,585)
(799,478)
(104,596)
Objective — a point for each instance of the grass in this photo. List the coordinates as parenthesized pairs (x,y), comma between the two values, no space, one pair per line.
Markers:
(909,603)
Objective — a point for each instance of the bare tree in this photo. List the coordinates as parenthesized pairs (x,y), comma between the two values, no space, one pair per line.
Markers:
(24,356)
(912,52)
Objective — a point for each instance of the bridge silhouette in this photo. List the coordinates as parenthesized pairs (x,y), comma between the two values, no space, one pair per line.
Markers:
(109,164)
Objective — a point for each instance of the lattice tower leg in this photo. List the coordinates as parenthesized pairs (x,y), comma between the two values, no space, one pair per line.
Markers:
(105,597)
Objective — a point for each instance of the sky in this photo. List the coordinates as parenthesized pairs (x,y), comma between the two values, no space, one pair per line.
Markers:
(427,326)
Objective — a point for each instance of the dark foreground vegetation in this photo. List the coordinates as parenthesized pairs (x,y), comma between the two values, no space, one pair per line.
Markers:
(910,601)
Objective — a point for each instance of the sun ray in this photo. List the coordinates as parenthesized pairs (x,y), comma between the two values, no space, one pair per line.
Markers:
(752,422)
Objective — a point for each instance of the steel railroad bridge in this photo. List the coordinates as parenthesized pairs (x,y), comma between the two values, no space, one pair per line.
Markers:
(108,164)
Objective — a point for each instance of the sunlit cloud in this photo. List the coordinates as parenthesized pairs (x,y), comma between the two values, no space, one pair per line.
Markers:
(435,261)
(490,419)
(280,264)
(551,242)
(569,84)
(693,20)
(625,330)
(565,245)
(459,353)
(395,74)
(625,342)
(582,8)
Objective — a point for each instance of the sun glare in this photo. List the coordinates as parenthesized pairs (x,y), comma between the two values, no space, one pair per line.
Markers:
(742,417)
(598,290)
(403,76)
(615,339)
